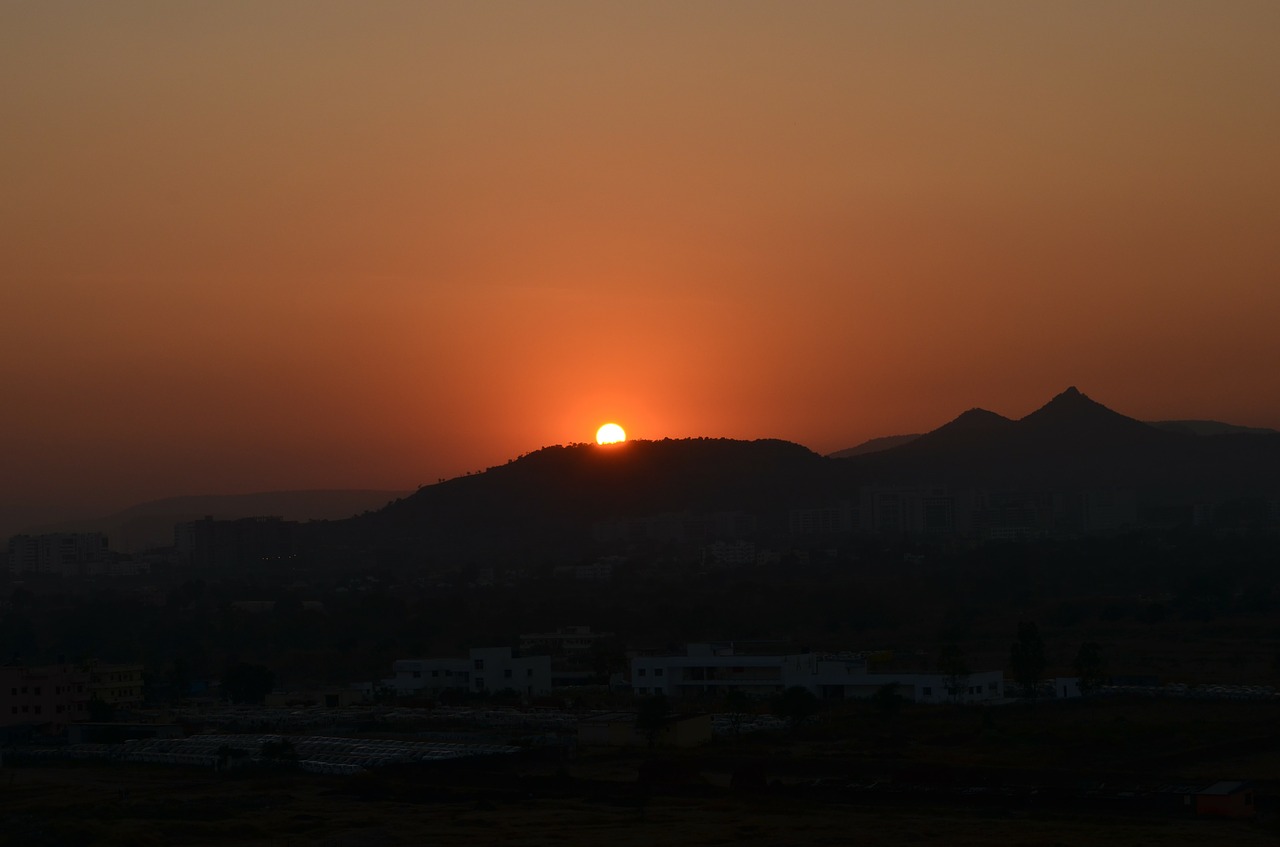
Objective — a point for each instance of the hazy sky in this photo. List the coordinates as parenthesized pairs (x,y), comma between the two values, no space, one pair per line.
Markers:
(264,244)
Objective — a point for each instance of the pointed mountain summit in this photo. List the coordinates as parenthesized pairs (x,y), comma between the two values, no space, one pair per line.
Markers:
(1074,406)
(1073,419)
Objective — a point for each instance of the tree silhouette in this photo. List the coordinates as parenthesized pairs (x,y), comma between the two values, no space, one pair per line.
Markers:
(652,717)
(1026,658)
(736,706)
(887,700)
(1090,667)
(795,705)
(246,683)
(100,710)
(955,667)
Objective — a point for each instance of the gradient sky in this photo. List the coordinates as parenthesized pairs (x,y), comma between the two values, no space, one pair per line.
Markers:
(265,245)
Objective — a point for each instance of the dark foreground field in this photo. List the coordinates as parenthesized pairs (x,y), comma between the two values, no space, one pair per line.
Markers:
(144,806)
(1092,773)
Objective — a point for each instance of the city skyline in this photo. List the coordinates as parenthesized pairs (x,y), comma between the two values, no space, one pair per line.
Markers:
(313,245)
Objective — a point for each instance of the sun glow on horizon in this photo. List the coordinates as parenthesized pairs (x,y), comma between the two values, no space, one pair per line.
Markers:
(610,433)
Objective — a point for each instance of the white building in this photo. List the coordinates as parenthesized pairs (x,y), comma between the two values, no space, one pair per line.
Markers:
(496,669)
(490,669)
(427,677)
(715,669)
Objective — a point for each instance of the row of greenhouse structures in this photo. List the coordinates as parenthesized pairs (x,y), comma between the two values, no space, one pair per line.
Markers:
(316,754)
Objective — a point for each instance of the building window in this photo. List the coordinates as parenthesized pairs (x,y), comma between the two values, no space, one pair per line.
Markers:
(928,692)
(528,672)
(417,674)
(435,673)
(657,671)
(640,672)
(479,664)
(506,674)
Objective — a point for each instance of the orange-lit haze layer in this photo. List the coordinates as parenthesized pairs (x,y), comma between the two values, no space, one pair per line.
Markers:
(251,246)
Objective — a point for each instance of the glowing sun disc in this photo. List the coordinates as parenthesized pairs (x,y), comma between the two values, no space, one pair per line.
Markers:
(610,433)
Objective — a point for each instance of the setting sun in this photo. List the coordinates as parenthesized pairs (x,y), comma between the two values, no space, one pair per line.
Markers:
(610,433)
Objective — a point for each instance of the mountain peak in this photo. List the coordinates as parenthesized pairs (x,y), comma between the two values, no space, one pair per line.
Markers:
(971,427)
(1073,413)
(1072,398)
(978,416)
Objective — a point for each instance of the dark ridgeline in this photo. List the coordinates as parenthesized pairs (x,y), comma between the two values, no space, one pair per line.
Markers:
(547,499)
(556,494)
(1210,428)
(1068,443)
(875,445)
(1073,442)
(151,524)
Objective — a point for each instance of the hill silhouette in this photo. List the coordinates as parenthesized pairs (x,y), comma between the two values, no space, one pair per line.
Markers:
(597,482)
(552,498)
(560,492)
(1075,443)
(874,445)
(1071,410)
(150,524)
(1211,428)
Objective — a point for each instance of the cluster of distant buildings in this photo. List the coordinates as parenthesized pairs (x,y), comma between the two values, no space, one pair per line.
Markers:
(207,543)
(61,553)
(545,664)
(61,694)
(938,510)
(714,669)
(727,538)
(918,510)
(705,670)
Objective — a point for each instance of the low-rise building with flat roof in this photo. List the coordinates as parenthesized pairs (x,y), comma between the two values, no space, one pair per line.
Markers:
(715,669)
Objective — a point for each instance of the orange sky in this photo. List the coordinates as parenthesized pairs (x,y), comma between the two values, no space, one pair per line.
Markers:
(258,245)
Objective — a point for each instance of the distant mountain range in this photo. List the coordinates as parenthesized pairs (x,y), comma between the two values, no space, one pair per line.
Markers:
(561,502)
(1195,427)
(151,524)
(1072,446)
(1075,443)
